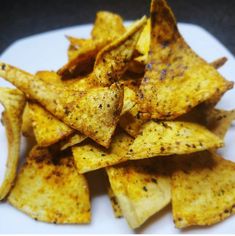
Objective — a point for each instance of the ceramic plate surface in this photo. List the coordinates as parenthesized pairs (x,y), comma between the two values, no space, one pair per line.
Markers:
(47,51)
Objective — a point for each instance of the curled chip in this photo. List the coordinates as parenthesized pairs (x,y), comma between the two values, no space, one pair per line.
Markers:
(13,101)
(176,79)
(90,156)
(141,189)
(112,61)
(79,110)
(203,190)
(172,137)
(51,190)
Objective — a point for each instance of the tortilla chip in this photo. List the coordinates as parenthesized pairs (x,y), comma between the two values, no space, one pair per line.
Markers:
(219,62)
(73,140)
(116,208)
(203,190)
(76,42)
(219,121)
(83,62)
(132,121)
(129,99)
(143,43)
(79,110)
(176,78)
(89,156)
(141,189)
(47,129)
(13,102)
(50,192)
(107,26)
(112,61)
(172,137)
(27,127)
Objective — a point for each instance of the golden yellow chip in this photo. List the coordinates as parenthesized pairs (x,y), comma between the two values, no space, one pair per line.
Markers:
(27,127)
(116,208)
(143,43)
(141,189)
(203,190)
(51,192)
(47,129)
(129,99)
(79,110)
(13,102)
(112,61)
(107,26)
(73,140)
(219,121)
(176,78)
(132,121)
(89,156)
(172,137)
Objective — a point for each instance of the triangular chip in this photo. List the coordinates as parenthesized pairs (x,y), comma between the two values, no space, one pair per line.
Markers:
(51,190)
(129,99)
(82,60)
(132,121)
(219,121)
(107,26)
(141,189)
(116,208)
(112,61)
(13,102)
(94,113)
(143,43)
(203,190)
(172,137)
(72,140)
(47,128)
(176,78)
(89,156)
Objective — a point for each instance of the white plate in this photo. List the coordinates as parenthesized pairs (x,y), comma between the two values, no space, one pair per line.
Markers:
(47,51)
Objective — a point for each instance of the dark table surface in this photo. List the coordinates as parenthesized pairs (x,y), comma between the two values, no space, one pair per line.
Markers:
(22,18)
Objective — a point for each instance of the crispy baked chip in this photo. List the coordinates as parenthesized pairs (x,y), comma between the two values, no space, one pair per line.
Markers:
(73,140)
(107,26)
(132,121)
(172,137)
(27,127)
(143,43)
(112,61)
(51,191)
(79,110)
(13,102)
(219,121)
(47,128)
(176,78)
(116,208)
(203,190)
(129,99)
(89,156)
(141,189)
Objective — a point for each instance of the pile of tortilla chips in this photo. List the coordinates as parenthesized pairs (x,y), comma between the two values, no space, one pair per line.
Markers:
(136,102)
